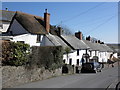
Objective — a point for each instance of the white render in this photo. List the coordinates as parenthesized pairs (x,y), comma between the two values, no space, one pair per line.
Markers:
(115,55)
(46,42)
(103,57)
(74,57)
(28,39)
(5,26)
(20,34)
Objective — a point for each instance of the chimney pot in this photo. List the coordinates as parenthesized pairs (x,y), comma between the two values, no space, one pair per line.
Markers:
(59,31)
(46,11)
(88,38)
(6,9)
(99,41)
(96,41)
(79,35)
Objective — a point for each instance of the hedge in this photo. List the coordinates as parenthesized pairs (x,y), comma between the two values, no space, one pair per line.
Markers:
(14,54)
(50,57)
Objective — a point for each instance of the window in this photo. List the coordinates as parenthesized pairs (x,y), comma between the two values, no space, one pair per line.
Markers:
(1,26)
(95,53)
(77,61)
(38,38)
(64,61)
(21,41)
(90,53)
(70,61)
(77,52)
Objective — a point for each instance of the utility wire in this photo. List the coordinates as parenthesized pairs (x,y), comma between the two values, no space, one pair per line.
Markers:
(101,24)
(95,20)
(84,12)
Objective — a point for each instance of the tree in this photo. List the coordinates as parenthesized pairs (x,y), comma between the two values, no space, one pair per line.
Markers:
(67,51)
(66,29)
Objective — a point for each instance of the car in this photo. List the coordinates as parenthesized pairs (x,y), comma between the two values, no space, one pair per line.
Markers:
(91,67)
(97,66)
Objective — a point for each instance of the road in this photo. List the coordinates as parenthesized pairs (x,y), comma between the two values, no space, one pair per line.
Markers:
(99,80)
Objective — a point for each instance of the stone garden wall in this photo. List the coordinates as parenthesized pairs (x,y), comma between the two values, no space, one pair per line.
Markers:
(13,76)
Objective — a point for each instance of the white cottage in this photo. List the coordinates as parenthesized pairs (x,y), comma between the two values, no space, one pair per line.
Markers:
(28,28)
(5,19)
(102,51)
(78,50)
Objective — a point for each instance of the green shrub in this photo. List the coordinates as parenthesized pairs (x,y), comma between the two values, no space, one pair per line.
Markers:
(49,57)
(15,54)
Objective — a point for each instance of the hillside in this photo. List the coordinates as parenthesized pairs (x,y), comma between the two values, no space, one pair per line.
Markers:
(116,47)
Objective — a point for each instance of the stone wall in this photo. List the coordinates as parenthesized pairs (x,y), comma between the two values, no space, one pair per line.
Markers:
(13,76)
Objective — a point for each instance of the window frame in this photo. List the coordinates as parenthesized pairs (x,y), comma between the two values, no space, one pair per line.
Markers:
(70,61)
(38,40)
(78,52)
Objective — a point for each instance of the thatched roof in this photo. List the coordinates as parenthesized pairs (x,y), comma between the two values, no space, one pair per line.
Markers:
(31,23)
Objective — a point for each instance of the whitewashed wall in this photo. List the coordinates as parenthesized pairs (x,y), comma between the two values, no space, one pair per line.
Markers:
(115,55)
(46,42)
(28,38)
(103,56)
(5,26)
(74,57)
(93,53)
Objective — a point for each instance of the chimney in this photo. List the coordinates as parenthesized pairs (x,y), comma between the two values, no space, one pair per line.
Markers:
(59,32)
(6,9)
(79,35)
(47,20)
(99,41)
(96,41)
(88,38)
(102,43)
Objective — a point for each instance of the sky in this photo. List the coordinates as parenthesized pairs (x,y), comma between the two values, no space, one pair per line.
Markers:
(97,19)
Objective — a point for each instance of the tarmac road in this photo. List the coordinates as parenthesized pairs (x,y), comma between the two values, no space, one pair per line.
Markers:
(103,79)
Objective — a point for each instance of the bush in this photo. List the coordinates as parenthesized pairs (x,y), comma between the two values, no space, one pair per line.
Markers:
(15,54)
(48,57)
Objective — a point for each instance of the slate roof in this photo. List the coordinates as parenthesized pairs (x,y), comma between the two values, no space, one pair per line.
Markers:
(6,15)
(57,41)
(33,24)
(98,47)
(92,46)
(74,42)
(107,48)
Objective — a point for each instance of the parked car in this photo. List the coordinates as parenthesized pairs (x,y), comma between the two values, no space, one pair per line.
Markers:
(91,67)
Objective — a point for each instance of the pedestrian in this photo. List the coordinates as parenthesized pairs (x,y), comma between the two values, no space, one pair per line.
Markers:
(83,61)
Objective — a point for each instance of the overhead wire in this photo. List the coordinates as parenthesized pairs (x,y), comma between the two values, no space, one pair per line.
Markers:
(95,20)
(82,13)
(94,29)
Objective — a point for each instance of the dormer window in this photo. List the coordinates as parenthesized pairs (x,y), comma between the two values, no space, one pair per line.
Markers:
(38,39)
